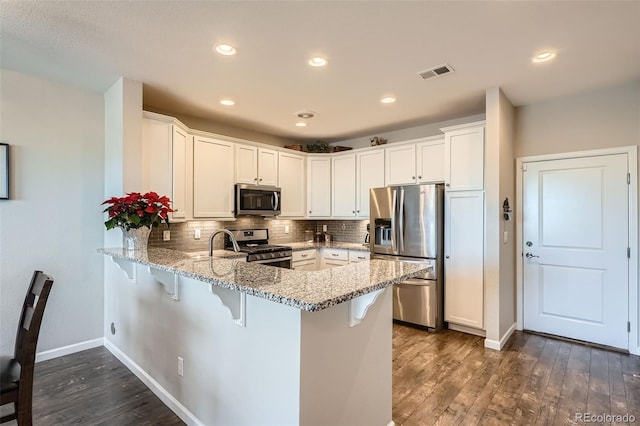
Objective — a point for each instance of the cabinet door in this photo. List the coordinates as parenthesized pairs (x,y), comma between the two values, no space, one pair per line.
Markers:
(464,156)
(431,160)
(400,165)
(343,186)
(267,167)
(370,174)
(318,187)
(464,251)
(305,265)
(291,180)
(212,178)
(246,164)
(181,142)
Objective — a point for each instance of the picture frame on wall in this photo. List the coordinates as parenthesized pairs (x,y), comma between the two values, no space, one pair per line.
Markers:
(4,171)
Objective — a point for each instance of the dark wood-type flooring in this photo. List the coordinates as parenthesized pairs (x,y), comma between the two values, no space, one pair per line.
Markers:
(447,378)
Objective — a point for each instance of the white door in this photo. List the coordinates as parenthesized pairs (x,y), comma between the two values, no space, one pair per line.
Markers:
(430,156)
(318,187)
(267,167)
(247,164)
(292,182)
(343,186)
(400,165)
(370,174)
(575,239)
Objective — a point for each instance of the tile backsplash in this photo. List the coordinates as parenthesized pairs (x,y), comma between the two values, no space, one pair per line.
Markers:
(182,233)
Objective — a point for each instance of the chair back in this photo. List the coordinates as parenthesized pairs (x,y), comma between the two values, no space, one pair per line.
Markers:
(30,321)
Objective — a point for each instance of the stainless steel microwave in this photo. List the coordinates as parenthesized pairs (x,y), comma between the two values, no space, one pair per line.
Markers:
(257,200)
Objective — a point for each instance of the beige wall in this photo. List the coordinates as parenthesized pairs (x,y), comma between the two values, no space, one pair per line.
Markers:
(604,118)
(499,278)
(53,220)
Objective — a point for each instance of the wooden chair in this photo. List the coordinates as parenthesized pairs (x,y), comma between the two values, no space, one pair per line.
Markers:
(16,374)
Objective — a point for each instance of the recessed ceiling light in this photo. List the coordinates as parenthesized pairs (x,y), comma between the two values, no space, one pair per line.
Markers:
(317,62)
(227,102)
(225,49)
(388,100)
(301,124)
(305,115)
(544,56)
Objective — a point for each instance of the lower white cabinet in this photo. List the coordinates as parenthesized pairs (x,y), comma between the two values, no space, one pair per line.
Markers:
(304,260)
(358,256)
(464,256)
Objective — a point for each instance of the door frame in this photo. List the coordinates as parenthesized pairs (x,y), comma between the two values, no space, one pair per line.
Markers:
(634,290)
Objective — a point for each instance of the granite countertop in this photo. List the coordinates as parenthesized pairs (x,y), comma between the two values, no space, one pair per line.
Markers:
(336,245)
(306,290)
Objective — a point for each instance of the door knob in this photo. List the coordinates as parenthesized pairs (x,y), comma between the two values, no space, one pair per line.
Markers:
(530,255)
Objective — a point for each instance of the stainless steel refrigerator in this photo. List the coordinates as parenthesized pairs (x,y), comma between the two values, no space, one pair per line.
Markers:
(407,224)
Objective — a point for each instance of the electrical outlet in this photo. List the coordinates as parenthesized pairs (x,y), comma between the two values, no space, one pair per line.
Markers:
(180,367)
(166,235)
(196,233)
(324,228)
(286,229)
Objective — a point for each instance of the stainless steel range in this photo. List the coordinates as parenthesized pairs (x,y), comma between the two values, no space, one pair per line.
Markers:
(255,242)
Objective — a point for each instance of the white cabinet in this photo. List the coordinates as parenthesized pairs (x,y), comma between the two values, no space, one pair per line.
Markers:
(430,161)
(256,166)
(464,157)
(213,173)
(318,186)
(343,186)
(356,256)
(464,251)
(292,182)
(304,260)
(167,152)
(369,174)
(400,164)
(332,258)
(418,162)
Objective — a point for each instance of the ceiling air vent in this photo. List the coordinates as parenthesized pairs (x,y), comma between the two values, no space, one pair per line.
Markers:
(436,71)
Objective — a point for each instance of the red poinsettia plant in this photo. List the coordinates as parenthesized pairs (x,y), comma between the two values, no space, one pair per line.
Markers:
(136,210)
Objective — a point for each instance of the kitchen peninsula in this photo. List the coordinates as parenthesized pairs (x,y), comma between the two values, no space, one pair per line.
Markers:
(255,344)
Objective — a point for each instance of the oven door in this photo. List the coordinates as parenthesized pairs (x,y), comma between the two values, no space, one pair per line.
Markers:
(257,200)
(283,262)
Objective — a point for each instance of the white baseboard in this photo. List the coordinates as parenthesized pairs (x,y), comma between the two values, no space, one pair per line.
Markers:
(168,399)
(391,423)
(498,345)
(69,349)
(465,329)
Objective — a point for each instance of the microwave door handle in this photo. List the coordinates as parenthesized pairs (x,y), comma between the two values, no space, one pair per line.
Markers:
(401,221)
(275,201)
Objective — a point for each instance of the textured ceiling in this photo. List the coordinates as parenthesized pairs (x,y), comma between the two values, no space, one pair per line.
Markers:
(374,48)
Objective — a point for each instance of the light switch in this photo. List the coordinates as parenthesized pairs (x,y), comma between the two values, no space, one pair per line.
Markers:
(324,228)
(286,229)
(196,234)
(505,237)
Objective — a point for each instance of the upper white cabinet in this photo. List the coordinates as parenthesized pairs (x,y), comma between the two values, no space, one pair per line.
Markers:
(319,186)
(256,166)
(213,171)
(343,186)
(464,157)
(167,152)
(430,161)
(418,162)
(292,182)
(369,174)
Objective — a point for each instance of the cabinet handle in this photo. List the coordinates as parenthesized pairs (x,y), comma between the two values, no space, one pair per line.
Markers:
(353,211)
(419,177)
(260,179)
(358,211)
(361,257)
(413,177)
(334,254)
(176,210)
(304,255)
(446,184)
(255,178)
(309,211)
(446,257)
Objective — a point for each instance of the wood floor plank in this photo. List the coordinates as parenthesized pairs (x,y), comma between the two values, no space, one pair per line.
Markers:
(551,397)
(575,386)
(598,399)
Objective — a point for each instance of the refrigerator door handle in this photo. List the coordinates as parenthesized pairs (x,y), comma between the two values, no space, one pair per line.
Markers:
(401,221)
(394,222)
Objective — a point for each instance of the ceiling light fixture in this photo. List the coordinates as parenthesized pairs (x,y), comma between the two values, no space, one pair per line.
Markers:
(543,56)
(301,124)
(388,100)
(305,115)
(227,102)
(225,49)
(317,62)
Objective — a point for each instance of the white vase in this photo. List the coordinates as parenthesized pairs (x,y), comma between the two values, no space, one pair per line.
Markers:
(135,239)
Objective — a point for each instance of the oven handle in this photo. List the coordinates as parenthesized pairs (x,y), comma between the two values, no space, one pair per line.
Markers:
(276,260)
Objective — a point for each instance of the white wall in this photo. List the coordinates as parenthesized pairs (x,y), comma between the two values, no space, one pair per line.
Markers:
(604,118)
(401,135)
(54,220)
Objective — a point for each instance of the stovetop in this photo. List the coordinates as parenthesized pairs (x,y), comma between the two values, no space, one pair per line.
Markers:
(262,248)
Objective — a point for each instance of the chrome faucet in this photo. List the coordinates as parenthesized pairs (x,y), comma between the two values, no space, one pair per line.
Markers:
(231,238)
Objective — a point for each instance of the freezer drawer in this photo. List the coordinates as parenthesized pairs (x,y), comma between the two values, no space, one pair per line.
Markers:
(415,301)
